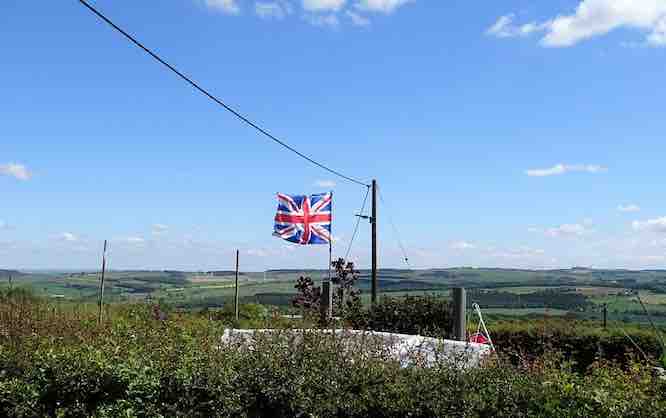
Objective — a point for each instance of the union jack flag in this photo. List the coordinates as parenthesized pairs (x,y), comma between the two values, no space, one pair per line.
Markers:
(304,220)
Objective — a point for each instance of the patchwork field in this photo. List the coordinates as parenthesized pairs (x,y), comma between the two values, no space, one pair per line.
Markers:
(580,292)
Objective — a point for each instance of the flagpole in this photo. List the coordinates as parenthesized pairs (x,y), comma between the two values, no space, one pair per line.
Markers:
(330,242)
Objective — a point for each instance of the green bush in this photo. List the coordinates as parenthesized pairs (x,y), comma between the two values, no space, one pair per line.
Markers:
(247,312)
(136,372)
(422,315)
(580,342)
(133,365)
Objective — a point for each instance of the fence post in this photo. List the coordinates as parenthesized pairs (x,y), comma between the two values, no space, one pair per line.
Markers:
(326,302)
(459,314)
(236,289)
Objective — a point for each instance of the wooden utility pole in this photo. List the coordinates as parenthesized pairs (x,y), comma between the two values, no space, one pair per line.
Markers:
(236,292)
(605,315)
(373,222)
(101,285)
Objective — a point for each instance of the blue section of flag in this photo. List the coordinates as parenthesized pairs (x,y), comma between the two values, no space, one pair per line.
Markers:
(304,220)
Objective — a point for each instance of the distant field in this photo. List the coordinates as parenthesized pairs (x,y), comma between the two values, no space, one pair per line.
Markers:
(583,290)
(366,297)
(194,290)
(523,312)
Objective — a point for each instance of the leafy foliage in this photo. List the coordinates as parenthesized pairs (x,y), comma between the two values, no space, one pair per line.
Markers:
(423,315)
(345,296)
(309,295)
(578,342)
(58,362)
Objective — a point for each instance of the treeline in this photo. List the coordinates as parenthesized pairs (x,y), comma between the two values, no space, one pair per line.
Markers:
(555,298)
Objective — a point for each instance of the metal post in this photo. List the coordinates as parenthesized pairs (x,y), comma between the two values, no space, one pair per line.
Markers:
(326,303)
(373,222)
(236,291)
(459,311)
(101,285)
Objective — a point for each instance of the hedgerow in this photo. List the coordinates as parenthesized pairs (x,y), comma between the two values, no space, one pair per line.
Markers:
(63,364)
(581,342)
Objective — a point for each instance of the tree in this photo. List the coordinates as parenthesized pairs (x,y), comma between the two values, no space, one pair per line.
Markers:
(308,296)
(345,296)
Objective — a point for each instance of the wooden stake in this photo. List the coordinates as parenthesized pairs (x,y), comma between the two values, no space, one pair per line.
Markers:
(373,222)
(459,314)
(101,285)
(236,292)
(325,304)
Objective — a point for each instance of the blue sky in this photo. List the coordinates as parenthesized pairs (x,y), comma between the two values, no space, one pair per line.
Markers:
(511,134)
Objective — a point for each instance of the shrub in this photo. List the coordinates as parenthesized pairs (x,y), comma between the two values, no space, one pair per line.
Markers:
(423,315)
(578,341)
(134,366)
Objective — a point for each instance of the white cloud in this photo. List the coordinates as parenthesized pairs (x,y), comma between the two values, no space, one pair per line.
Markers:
(560,169)
(257,252)
(357,19)
(629,208)
(18,171)
(323,20)
(381,6)
(229,7)
(325,184)
(323,13)
(160,228)
(652,225)
(69,237)
(504,28)
(594,18)
(462,245)
(567,230)
(273,10)
(323,5)
(652,258)
(658,243)
(658,35)
(598,17)
(519,253)
(3,224)
(134,240)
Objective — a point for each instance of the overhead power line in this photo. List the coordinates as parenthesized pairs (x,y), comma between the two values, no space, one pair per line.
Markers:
(205,92)
(358,221)
(395,232)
